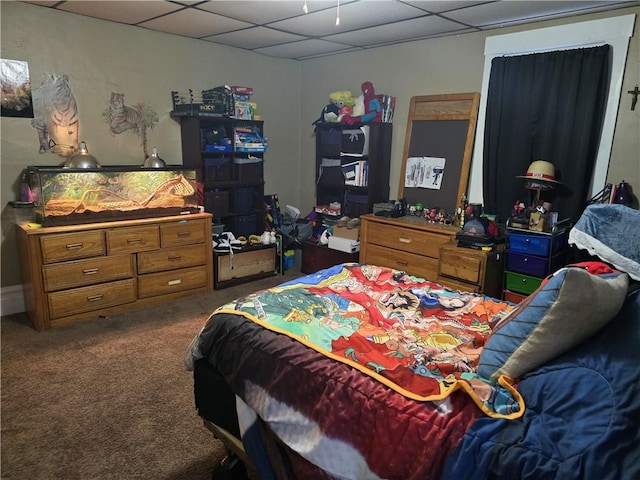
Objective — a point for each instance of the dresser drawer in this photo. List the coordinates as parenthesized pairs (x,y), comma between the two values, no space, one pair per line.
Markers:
(183,232)
(94,298)
(460,264)
(407,240)
(89,271)
(245,264)
(133,239)
(172,258)
(416,265)
(519,283)
(71,246)
(163,283)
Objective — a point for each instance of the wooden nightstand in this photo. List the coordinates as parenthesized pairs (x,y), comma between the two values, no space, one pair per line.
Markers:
(472,270)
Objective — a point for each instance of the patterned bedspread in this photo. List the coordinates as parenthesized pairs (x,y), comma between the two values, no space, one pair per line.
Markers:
(295,355)
(414,336)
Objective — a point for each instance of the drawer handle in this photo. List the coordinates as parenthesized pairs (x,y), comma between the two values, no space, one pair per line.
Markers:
(132,241)
(175,257)
(184,234)
(404,264)
(90,271)
(94,298)
(525,260)
(404,240)
(74,246)
(174,282)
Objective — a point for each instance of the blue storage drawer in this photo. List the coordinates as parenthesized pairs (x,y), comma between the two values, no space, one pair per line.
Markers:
(528,264)
(532,244)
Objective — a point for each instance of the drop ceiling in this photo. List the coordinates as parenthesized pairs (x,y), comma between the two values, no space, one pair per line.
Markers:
(283,29)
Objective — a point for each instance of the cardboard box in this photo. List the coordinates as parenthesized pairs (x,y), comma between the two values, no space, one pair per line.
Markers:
(344,244)
(344,232)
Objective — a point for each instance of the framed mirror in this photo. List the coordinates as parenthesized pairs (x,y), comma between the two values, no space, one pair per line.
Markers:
(437,150)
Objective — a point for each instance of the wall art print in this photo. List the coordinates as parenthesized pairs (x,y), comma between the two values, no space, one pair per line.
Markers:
(55,115)
(126,118)
(16,89)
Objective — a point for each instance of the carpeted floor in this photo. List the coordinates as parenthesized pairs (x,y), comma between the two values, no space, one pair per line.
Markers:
(109,398)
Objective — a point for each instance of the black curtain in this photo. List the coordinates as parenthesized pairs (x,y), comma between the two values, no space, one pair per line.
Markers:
(544,106)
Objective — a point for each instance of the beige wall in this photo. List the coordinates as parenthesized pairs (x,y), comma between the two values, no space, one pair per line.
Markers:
(102,57)
(451,65)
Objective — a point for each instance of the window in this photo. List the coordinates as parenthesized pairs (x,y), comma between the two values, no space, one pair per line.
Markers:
(614,31)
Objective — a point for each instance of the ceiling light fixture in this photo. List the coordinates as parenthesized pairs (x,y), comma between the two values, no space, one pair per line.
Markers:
(305,9)
(338,14)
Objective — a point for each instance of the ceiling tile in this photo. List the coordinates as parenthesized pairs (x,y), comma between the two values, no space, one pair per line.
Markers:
(254,37)
(439,6)
(262,12)
(195,23)
(120,11)
(353,16)
(303,48)
(510,12)
(409,29)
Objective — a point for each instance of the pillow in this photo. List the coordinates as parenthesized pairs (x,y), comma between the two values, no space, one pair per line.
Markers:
(569,307)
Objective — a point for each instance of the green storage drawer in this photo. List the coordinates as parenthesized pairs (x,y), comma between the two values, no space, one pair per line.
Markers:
(517,282)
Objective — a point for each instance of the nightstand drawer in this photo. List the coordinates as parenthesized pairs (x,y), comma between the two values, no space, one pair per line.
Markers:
(72,246)
(89,271)
(416,265)
(133,239)
(88,299)
(408,240)
(164,283)
(462,265)
(457,285)
(172,258)
(184,232)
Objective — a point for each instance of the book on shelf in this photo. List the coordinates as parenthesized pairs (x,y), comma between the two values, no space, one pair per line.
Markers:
(356,173)
(388,106)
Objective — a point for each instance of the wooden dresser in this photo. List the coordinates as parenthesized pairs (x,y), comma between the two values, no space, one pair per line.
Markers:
(428,250)
(76,272)
(411,244)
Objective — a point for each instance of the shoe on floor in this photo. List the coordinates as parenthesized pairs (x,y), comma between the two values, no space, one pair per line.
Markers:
(353,223)
(343,221)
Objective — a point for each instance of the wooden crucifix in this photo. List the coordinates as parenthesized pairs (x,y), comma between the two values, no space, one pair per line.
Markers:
(635,92)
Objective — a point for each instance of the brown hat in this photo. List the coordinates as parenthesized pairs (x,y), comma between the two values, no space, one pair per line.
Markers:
(540,171)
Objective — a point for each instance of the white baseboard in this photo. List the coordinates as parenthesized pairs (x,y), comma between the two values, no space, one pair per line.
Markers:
(11,300)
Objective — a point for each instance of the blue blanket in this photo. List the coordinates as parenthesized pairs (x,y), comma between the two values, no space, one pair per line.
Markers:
(610,232)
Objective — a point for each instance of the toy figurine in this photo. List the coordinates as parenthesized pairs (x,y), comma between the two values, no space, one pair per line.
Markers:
(372,106)
(432,215)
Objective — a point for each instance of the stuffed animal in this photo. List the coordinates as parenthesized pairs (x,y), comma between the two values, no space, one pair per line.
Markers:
(372,106)
(342,103)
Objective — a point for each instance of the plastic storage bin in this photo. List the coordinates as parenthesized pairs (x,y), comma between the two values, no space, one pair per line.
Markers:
(245,225)
(244,199)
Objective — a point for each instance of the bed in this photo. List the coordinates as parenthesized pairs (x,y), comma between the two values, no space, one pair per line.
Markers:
(365,372)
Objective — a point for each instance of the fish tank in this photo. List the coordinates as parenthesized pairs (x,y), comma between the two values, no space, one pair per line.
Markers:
(67,196)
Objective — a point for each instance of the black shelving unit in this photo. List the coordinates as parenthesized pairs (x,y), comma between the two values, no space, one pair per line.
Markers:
(338,146)
(229,156)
